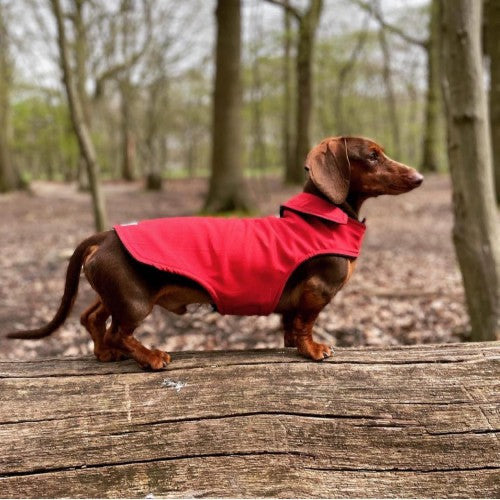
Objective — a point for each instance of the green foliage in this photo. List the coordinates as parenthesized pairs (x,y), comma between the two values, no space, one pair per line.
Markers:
(171,109)
(42,138)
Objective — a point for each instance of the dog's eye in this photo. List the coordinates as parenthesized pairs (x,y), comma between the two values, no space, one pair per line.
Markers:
(373,156)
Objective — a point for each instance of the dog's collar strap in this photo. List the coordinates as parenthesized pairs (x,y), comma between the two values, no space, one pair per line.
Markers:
(310,204)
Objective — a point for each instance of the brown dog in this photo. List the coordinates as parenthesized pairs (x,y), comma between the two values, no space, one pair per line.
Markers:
(344,171)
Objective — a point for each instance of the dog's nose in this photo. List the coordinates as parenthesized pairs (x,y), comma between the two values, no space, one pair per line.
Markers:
(418,179)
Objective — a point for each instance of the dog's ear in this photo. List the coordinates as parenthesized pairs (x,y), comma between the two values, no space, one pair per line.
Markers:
(329,169)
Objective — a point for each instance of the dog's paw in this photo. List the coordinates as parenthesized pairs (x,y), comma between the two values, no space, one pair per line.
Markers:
(314,350)
(107,355)
(157,360)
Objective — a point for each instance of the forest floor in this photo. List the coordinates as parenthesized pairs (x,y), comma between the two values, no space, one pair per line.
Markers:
(406,289)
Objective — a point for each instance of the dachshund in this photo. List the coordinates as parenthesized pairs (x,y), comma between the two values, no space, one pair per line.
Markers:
(302,259)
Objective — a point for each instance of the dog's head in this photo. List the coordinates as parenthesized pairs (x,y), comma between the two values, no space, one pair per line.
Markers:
(339,165)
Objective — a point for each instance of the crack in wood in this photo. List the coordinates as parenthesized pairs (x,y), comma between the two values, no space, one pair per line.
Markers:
(48,419)
(408,470)
(404,470)
(326,416)
(38,472)
(468,431)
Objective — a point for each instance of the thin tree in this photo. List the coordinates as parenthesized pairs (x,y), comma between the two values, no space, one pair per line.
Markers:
(227,191)
(258,158)
(287,91)
(128,160)
(308,22)
(389,86)
(493,50)
(433,106)
(476,232)
(342,124)
(130,28)
(79,123)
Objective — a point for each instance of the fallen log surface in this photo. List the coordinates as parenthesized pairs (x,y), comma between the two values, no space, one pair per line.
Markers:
(420,421)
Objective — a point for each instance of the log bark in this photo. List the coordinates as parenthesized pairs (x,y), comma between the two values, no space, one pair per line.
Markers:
(417,421)
(476,232)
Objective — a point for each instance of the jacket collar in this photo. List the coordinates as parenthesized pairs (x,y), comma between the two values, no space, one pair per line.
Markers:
(310,204)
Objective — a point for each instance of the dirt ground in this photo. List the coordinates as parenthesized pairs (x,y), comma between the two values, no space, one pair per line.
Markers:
(406,288)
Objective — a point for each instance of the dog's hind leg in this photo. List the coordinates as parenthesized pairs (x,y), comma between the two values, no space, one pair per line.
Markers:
(84,318)
(121,338)
(94,320)
(289,335)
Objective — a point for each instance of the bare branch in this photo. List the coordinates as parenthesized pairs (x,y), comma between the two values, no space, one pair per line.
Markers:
(377,14)
(134,58)
(289,8)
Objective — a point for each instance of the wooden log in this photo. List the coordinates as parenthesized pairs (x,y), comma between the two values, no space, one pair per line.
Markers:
(405,421)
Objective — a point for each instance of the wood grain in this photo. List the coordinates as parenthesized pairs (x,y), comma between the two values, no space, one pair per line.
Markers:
(406,422)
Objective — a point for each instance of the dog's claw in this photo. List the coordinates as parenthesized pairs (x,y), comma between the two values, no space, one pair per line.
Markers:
(158,360)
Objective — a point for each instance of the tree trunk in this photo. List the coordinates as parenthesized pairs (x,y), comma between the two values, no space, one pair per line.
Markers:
(287,96)
(9,179)
(433,108)
(158,103)
(493,50)
(476,232)
(307,31)
(79,123)
(227,191)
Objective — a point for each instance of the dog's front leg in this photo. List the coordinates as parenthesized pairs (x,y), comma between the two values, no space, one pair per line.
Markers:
(298,323)
(302,336)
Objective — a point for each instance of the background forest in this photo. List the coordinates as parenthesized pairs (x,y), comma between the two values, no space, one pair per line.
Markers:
(128,109)
(145,71)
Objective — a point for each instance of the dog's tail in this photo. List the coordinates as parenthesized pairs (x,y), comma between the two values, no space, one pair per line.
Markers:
(70,290)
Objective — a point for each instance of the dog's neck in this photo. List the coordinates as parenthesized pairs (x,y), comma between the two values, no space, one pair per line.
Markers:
(351,206)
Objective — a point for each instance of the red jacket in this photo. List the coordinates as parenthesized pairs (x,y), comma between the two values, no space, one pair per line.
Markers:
(244,264)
